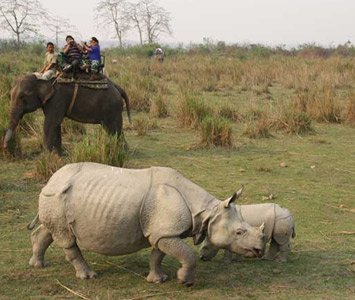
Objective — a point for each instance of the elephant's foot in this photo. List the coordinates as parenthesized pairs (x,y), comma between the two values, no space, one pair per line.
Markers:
(86,274)
(37,263)
(185,276)
(157,277)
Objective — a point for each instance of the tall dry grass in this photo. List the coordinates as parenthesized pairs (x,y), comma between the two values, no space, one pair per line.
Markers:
(215,131)
(101,148)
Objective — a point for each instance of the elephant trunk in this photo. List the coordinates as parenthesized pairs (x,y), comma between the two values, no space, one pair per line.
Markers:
(14,120)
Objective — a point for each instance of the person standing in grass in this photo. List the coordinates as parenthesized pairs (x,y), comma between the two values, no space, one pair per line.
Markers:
(49,66)
(94,54)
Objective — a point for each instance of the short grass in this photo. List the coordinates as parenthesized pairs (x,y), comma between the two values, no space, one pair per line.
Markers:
(317,186)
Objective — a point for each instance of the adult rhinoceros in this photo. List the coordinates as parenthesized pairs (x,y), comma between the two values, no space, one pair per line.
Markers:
(116,211)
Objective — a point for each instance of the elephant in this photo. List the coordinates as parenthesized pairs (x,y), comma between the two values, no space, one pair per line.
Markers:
(117,211)
(58,100)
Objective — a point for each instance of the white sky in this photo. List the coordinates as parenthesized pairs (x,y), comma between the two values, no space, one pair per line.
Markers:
(272,22)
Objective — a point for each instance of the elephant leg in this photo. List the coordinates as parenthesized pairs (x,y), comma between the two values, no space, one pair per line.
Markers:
(52,136)
(113,125)
(273,250)
(156,274)
(41,238)
(58,145)
(175,247)
(74,256)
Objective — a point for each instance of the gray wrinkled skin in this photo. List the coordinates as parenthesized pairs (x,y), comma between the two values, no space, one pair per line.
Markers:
(278,226)
(115,211)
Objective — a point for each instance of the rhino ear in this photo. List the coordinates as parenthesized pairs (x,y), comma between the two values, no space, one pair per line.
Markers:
(232,199)
(202,233)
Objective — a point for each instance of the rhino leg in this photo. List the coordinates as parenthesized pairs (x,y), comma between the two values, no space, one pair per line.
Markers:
(231,257)
(207,251)
(74,256)
(156,274)
(41,238)
(284,251)
(175,247)
(273,250)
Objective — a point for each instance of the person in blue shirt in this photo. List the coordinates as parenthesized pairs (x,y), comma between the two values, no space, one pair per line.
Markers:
(94,53)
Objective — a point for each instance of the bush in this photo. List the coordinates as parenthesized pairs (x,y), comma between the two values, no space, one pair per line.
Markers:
(295,122)
(229,112)
(320,104)
(142,124)
(191,110)
(215,131)
(101,148)
(257,128)
(47,165)
(73,129)
(159,107)
(350,110)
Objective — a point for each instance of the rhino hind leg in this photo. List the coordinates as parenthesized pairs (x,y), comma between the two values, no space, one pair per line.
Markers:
(156,274)
(41,238)
(74,256)
(175,247)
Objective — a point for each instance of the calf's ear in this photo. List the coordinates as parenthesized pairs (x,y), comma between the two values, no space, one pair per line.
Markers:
(202,232)
(232,199)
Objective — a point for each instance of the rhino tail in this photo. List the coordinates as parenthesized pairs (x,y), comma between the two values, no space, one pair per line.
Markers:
(32,225)
(293,232)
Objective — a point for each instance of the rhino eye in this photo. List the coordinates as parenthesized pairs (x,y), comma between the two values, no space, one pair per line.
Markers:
(239,231)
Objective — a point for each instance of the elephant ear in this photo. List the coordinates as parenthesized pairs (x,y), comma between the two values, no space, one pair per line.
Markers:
(45,90)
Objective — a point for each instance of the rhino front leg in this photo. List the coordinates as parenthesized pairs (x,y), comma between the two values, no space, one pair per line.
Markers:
(231,257)
(156,274)
(41,238)
(74,256)
(284,251)
(175,247)
(273,250)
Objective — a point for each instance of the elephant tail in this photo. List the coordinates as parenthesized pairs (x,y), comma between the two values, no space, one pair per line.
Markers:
(32,225)
(126,99)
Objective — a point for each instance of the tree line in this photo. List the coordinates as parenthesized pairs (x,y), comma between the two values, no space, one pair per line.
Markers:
(24,18)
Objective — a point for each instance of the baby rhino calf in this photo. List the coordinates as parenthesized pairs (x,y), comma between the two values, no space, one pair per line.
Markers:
(279,228)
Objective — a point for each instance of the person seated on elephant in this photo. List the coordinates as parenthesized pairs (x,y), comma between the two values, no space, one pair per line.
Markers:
(93,50)
(49,65)
(73,52)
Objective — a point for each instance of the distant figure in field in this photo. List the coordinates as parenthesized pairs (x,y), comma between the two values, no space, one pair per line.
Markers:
(49,65)
(159,54)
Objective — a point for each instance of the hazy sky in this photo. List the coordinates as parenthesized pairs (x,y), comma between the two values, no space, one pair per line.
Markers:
(266,21)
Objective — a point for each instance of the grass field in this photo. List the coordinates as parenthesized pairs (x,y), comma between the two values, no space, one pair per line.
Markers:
(317,184)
